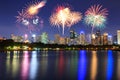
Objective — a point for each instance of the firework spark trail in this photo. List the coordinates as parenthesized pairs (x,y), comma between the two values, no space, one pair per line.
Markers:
(63,16)
(95,16)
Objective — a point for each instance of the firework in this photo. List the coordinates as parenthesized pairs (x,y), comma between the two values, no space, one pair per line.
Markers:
(75,18)
(34,8)
(21,16)
(31,23)
(63,16)
(95,16)
(28,16)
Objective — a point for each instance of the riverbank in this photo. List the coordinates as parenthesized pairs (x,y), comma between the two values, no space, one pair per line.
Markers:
(17,46)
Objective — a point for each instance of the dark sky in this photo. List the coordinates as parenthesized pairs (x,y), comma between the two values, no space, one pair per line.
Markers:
(9,8)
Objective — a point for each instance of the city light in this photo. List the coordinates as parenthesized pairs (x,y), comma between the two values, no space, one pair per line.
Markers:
(60,40)
(33,35)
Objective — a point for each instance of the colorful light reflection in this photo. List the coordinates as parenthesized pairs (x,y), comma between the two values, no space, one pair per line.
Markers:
(25,65)
(82,65)
(109,65)
(118,66)
(61,64)
(33,65)
(94,65)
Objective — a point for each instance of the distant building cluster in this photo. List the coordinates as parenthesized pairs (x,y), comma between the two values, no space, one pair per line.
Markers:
(73,38)
(83,39)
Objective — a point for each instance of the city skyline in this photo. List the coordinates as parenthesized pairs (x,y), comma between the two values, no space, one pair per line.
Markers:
(9,10)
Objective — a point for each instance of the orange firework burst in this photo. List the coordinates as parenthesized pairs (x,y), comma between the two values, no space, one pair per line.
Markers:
(33,8)
(63,16)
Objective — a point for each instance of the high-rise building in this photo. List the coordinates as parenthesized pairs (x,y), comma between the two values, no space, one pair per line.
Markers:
(88,38)
(98,38)
(67,40)
(44,38)
(93,39)
(102,40)
(115,39)
(33,38)
(105,38)
(38,38)
(57,39)
(110,40)
(62,40)
(118,37)
(82,38)
(16,38)
(72,34)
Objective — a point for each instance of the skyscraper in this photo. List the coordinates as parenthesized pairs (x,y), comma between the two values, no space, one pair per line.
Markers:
(62,40)
(88,38)
(105,38)
(93,39)
(98,38)
(82,38)
(115,39)
(57,38)
(72,34)
(118,37)
(110,40)
(44,38)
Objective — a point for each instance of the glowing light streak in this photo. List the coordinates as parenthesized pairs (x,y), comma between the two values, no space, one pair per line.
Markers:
(33,70)
(94,65)
(109,65)
(82,65)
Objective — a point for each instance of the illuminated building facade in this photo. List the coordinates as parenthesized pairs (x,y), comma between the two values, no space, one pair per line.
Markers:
(44,38)
(82,38)
(105,38)
(72,34)
(93,39)
(110,40)
(98,38)
(57,38)
(118,37)
(16,38)
(62,40)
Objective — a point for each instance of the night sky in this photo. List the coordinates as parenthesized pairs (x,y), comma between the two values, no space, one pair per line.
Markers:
(9,8)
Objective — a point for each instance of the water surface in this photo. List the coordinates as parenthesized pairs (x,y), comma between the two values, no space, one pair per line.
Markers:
(60,65)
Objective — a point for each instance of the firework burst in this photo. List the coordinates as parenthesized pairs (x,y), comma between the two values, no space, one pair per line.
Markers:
(33,8)
(28,16)
(32,24)
(63,16)
(95,16)
(21,16)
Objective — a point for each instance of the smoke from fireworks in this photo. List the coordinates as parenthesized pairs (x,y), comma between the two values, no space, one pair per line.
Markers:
(95,16)
(63,16)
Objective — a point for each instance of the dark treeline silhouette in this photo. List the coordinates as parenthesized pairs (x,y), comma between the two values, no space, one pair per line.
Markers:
(5,44)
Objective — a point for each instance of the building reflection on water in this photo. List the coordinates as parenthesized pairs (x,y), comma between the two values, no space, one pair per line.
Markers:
(109,65)
(43,63)
(94,65)
(118,65)
(33,65)
(61,65)
(82,64)
(12,63)
(25,65)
